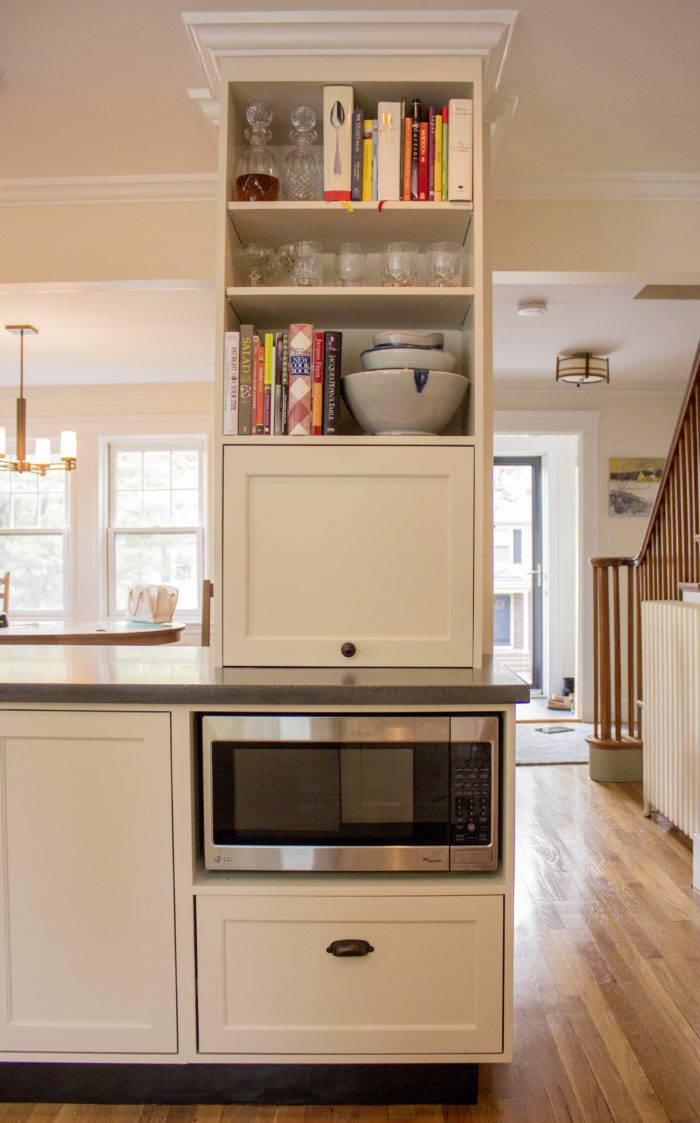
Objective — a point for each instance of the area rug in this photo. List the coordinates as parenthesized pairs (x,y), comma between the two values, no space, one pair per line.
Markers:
(567,745)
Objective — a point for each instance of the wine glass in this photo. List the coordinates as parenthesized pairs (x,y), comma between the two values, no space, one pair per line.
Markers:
(302,262)
(257,265)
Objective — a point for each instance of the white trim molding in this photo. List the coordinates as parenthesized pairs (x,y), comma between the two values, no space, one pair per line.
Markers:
(660,187)
(218,35)
(194,187)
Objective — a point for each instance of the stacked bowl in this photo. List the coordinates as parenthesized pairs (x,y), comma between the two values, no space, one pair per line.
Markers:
(408,386)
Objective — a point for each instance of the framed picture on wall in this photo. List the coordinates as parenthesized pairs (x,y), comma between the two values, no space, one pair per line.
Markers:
(634,482)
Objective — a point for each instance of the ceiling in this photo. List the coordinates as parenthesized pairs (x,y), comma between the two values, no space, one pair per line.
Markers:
(591,93)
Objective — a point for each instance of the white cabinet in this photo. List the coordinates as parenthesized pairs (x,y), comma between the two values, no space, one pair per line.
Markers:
(352,538)
(374,551)
(432,982)
(87,950)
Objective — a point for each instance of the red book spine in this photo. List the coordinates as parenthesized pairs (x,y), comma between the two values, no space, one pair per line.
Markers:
(317,386)
(254,385)
(423,160)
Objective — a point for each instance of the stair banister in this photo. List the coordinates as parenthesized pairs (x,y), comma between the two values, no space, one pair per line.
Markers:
(667,563)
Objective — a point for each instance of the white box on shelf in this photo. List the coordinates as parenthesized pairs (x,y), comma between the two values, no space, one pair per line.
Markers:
(389,150)
(460,153)
(231,352)
(338,105)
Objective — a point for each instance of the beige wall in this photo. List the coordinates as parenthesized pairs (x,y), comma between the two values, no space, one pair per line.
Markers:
(107,242)
(615,236)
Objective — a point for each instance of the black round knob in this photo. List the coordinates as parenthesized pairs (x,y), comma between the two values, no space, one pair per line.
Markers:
(348,650)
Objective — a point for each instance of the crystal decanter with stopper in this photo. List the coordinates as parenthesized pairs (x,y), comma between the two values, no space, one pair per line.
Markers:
(256,171)
(301,171)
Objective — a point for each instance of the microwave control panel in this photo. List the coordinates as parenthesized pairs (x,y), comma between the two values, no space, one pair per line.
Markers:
(474,805)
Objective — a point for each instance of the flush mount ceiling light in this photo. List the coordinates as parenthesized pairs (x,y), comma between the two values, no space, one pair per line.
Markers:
(532,307)
(41,462)
(582,368)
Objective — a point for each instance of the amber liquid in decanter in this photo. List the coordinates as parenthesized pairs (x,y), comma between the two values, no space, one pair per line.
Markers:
(257,187)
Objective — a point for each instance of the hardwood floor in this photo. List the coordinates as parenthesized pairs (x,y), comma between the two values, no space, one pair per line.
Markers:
(607,979)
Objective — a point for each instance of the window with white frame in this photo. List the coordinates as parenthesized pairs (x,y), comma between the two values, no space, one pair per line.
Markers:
(156,518)
(34,525)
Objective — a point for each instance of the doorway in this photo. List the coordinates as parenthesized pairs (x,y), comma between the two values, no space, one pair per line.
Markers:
(517,566)
(567,517)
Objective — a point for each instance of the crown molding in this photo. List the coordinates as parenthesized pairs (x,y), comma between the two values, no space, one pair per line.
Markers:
(663,187)
(219,35)
(192,187)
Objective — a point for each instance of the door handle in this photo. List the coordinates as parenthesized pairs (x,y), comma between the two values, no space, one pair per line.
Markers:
(537,574)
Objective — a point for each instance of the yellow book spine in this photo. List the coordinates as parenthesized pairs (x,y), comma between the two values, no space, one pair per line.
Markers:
(268,381)
(367,161)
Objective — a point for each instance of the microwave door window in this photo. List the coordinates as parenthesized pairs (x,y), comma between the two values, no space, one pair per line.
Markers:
(377,785)
(275,796)
(394,795)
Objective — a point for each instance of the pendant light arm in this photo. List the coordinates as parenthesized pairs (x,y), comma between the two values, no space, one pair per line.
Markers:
(68,440)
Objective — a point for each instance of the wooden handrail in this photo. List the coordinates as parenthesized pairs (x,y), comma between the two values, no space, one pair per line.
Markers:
(667,561)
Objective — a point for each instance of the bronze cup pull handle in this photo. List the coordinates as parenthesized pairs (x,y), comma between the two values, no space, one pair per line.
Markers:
(349,947)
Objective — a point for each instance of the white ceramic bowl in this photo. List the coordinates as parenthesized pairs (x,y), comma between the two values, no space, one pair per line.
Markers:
(410,338)
(403,401)
(428,358)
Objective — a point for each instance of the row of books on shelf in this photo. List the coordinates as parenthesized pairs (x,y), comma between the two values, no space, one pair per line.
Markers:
(284,383)
(407,151)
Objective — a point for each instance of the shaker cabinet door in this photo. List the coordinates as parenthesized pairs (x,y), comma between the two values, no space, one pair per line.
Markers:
(87,952)
(334,556)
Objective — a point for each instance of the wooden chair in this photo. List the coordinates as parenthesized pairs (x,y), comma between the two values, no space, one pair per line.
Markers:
(207,594)
(5,592)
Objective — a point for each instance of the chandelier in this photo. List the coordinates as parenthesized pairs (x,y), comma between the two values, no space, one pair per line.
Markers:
(41,462)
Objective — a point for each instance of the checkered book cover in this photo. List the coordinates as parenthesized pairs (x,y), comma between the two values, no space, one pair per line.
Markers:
(300,364)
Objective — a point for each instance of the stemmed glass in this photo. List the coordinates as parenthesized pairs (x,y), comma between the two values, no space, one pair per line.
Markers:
(257,264)
(303,262)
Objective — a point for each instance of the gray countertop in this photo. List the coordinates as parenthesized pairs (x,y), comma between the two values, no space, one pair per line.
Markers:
(173,675)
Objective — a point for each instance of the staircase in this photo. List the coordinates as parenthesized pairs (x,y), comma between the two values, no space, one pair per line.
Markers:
(666,568)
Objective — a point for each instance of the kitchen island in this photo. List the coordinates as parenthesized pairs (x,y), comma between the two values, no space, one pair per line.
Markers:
(107,909)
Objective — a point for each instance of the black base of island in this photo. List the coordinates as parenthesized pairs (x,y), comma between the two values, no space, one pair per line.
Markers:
(42,1082)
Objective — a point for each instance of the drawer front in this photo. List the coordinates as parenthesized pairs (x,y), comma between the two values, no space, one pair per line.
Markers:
(432,983)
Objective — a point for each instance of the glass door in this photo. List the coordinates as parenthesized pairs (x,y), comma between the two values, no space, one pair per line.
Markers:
(517,565)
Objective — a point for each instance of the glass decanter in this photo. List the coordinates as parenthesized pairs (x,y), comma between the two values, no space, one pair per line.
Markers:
(256,172)
(301,172)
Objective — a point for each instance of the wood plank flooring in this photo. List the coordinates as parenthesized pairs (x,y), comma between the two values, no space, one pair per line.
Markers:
(607,978)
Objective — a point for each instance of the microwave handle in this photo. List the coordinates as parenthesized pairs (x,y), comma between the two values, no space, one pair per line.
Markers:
(349,947)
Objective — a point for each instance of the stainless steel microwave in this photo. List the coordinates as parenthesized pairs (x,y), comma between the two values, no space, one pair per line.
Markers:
(350,792)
